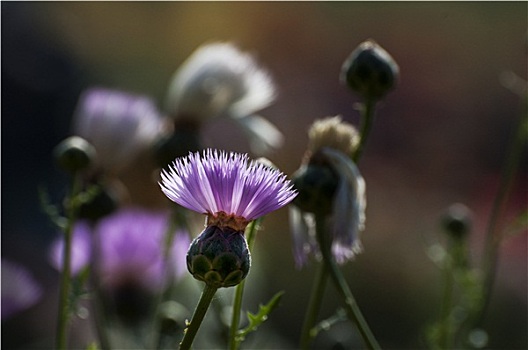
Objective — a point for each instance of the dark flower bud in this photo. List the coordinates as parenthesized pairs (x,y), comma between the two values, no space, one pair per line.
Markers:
(370,71)
(129,301)
(184,138)
(104,202)
(219,256)
(74,154)
(457,220)
(316,184)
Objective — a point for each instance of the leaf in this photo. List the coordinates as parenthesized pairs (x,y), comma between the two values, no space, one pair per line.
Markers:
(518,225)
(255,320)
(50,209)
(324,325)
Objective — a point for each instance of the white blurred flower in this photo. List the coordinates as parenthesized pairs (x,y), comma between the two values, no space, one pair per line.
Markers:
(119,125)
(219,80)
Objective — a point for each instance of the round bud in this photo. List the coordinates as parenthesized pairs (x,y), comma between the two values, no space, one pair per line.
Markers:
(74,154)
(316,185)
(370,71)
(457,220)
(219,256)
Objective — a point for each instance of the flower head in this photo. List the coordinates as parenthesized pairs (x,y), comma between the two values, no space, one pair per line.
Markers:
(231,191)
(119,125)
(329,183)
(220,80)
(126,251)
(223,185)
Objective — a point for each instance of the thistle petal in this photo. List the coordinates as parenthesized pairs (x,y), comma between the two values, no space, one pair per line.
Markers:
(230,183)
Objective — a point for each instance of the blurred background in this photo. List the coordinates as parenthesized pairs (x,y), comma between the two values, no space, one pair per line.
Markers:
(439,138)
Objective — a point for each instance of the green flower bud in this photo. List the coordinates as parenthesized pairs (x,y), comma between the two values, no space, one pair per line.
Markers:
(457,221)
(219,256)
(370,71)
(74,154)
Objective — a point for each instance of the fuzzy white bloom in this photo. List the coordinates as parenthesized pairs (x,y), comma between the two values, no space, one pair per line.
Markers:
(119,125)
(329,181)
(220,80)
(346,221)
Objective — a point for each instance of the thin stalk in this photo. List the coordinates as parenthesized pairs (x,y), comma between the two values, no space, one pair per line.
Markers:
(239,292)
(493,238)
(198,316)
(314,304)
(367,120)
(100,317)
(65,282)
(321,279)
(177,220)
(351,307)
(446,333)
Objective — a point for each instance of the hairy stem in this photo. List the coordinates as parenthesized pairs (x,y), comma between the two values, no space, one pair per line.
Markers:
(239,292)
(198,316)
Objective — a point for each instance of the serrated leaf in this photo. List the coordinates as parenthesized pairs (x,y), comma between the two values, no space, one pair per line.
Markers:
(255,320)
(51,210)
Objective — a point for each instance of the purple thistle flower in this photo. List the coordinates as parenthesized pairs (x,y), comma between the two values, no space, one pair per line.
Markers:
(130,244)
(19,290)
(220,184)
(231,191)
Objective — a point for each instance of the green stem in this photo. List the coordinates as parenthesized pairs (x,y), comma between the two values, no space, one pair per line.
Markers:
(316,298)
(493,238)
(446,331)
(177,220)
(65,282)
(351,307)
(198,316)
(367,120)
(314,304)
(239,292)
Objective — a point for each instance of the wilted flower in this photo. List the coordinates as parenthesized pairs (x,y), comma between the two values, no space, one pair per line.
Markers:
(19,290)
(119,125)
(329,184)
(219,80)
(370,71)
(231,191)
(128,258)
